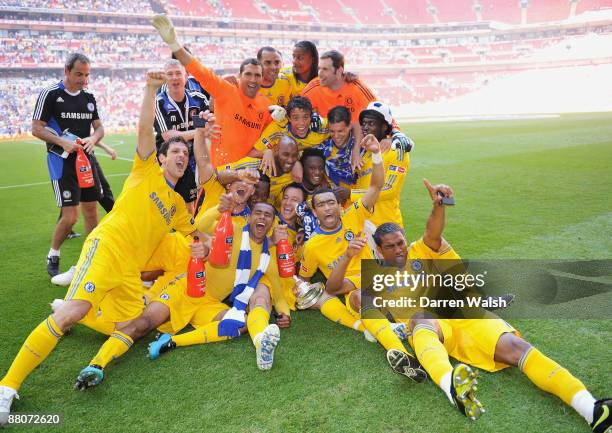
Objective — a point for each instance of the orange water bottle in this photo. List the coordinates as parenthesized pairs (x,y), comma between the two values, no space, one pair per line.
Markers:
(196,275)
(284,258)
(221,249)
(83,169)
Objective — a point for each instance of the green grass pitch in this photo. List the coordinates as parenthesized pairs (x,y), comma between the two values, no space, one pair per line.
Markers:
(532,188)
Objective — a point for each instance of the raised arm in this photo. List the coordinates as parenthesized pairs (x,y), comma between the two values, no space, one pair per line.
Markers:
(146,137)
(378,172)
(165,28)
(200,147)
(435,223)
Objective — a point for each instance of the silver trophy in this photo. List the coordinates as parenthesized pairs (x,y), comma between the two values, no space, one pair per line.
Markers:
(308,294)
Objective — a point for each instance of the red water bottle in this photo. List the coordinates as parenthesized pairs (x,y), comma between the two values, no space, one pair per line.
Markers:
(284,258)
(221,249)
(83,169)
(196,275)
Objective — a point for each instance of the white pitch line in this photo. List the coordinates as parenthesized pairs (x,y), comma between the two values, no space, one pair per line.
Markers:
(23,185)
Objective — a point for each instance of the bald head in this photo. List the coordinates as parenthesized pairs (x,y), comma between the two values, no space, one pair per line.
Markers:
(286,154)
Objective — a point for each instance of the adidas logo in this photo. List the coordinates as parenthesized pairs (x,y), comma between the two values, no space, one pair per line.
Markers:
(59,99)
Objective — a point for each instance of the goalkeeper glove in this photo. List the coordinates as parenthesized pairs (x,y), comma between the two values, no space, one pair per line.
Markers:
(164,27)
(399,140)
(278,113)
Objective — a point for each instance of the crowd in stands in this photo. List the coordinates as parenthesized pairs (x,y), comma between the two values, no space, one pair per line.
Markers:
(120,6)
(356,12)
(117,97)
(391,66)
(24,47)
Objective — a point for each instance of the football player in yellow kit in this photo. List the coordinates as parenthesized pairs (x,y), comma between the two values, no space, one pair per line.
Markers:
(490,344)
(275,85)
(325,248)
(108,271)
(173,309)
(305,66)
(377,120)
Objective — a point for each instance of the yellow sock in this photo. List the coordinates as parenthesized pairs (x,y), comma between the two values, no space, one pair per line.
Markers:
(39,344)
(257,320)
(336,311)
(208,333)
(98,324)
(382,331)
(117,344)
(549,376)
(431,353)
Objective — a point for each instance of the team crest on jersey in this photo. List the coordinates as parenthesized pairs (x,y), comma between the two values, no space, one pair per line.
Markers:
(165,296)
(193,112)
(260,115)
(89,287)
(59,99)
(66,194)
(356,204)
(172,210)
(349,235)
(91,106)
(348,100)
(416,265)
(267,143)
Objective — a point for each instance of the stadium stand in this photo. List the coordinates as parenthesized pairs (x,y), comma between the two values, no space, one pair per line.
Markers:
(442,55)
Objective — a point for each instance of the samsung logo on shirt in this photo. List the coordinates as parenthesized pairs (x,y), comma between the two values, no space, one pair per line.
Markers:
(77,116)
(165,213)
(246,122)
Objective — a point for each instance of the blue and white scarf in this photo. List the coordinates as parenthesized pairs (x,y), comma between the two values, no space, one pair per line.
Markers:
(244,287)
(338,169)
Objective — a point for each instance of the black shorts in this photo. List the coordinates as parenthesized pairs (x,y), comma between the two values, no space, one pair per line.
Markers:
(186,186)
(65,184)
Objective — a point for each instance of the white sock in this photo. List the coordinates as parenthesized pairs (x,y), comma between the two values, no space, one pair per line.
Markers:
(53,252)
(584,403)
(356,325)
(445,385)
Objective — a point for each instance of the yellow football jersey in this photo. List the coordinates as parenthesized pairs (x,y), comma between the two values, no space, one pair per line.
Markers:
(278,93)
(324,248)
(396,163)
(274,132)
(297,85)
(147,209)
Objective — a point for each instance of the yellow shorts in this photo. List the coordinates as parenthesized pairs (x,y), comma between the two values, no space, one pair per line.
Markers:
(160,284)
(109,283)
(185,310)
(172,254)
(473,341)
